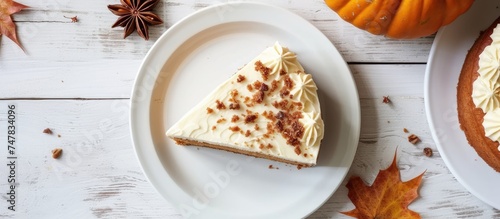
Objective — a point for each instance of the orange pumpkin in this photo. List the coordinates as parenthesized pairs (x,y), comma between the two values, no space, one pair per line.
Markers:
(400,19)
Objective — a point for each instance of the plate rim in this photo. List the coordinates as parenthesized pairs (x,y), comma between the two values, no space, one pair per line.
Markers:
(355,130)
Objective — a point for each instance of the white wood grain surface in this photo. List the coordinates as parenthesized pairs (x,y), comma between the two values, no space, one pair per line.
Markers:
(76,79)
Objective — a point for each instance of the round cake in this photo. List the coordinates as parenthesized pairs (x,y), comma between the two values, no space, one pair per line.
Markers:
(478,96)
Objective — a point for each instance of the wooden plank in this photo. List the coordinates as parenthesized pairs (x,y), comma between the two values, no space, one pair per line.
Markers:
(48,35)
(114,79)
(99,176)
(376,81)
(51,79)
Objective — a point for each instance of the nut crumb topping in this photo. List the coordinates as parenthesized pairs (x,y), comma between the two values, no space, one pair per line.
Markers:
(256,85)
(234,96)
(220,105)
(279,125)
(264,87)
(288,121)
(235,118)
(264,71)
(268,146)
(221,120)
(405,130)
(251,118)
(234,128)
(247,100)
(249,87)
(289,83)
(280,115)
(274,86)
(248,133)
(214,127)
(270,129)
(256,127)
(297,150)
(240,78)
(209,110)
(283,72)
(298,104)
(297,115)
(269,115)
(234,106)
(258,97)
(284,92)
(281,105)
(293,132)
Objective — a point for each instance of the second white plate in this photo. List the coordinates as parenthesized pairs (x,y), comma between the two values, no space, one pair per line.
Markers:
(445,63)
(189,61)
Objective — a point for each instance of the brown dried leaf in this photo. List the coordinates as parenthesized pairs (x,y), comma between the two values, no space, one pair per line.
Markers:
(7,26)
(388,197)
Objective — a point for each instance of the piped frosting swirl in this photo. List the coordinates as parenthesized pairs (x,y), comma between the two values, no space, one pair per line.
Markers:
(313,126)
(489,62)
(486,94)
(305,88)
(281,59)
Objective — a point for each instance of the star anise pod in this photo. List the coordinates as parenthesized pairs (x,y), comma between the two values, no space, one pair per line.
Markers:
(135,15)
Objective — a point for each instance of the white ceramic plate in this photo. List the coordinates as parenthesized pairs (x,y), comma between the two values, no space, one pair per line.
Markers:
(443,69)
(189,61)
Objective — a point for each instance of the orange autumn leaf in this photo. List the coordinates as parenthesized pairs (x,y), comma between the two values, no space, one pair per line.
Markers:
(7,26)
(388,197)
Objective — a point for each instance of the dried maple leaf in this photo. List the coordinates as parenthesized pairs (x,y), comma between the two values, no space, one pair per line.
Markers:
(7,26)
(388,197)
(135,15)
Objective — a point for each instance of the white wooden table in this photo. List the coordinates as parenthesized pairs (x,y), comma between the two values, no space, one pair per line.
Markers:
(76,79)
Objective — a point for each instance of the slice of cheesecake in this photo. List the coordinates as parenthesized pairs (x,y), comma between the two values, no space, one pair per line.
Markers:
(268,109)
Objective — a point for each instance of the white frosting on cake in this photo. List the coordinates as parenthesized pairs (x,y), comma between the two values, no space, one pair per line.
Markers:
(281,118)
(280,58)
(313,128)
(485,94)
(486,88)
(489,63)
(491,123)
(305,89)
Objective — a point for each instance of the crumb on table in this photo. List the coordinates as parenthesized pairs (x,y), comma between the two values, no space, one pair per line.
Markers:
(428,152)
(56,153)
(47,131)
(413,139)
(386,99)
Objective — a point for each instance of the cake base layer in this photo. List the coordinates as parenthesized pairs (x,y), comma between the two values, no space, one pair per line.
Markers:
(470,117)
(187,142)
